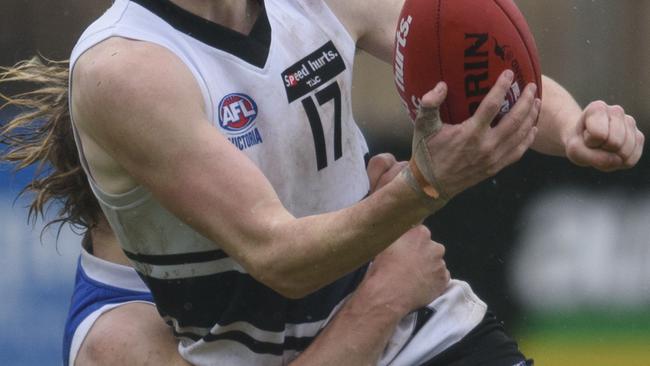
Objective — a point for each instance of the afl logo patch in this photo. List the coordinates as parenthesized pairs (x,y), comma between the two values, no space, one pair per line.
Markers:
(237,112)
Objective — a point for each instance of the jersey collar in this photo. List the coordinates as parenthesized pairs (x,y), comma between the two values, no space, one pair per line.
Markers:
(252,48)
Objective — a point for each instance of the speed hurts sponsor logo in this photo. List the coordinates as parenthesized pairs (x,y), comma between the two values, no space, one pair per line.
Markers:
(237,114)
(401,38)
(312,71)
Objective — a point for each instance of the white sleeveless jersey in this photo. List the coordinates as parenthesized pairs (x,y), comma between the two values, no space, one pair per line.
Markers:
(282,95)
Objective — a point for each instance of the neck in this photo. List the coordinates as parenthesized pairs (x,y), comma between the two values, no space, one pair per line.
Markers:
(238,15)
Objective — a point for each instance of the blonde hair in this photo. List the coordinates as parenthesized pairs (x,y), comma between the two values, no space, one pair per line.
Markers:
(41,134)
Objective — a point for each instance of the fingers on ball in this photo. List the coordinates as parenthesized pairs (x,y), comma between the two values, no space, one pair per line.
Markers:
(491,104)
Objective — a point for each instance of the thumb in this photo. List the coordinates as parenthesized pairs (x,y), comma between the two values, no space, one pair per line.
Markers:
(428,120)
(378,165)
(435,97)
(427,125)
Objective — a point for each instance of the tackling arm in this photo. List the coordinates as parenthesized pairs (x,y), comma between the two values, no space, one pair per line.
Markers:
(601,135)
(557,105)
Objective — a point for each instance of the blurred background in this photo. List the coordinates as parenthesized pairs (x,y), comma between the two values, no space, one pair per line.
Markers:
(560,253)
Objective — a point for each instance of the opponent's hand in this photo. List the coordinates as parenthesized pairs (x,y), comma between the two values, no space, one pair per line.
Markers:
(605,138)
(382,168)
(453,158)
(409,274)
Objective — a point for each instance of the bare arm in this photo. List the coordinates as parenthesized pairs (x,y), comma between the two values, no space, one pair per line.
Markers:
(601,135)
(112,337)
(406,276)
(356,336)
(371,23)
(557,105)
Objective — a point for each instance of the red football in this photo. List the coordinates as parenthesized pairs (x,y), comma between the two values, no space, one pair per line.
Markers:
(467,44)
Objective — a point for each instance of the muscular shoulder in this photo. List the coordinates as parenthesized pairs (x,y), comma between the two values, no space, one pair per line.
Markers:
(121,92)
(118,60)
(119,74)
(372,23)
(131,334)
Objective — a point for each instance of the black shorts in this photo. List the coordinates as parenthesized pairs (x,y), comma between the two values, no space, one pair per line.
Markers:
(486,345)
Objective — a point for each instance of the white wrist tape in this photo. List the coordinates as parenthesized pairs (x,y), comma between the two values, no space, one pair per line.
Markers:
(421,173)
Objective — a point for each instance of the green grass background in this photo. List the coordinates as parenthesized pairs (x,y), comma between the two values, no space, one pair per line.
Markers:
(587,338)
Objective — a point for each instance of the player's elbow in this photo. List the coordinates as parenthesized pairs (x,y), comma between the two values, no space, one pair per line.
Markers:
(292,289)
(274,259)
(284,277)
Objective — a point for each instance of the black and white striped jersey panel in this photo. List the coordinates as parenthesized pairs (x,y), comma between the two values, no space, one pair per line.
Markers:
(208,297)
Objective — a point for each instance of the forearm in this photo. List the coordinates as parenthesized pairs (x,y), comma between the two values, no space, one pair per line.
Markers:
(558,115)
(357,335)
(307,253)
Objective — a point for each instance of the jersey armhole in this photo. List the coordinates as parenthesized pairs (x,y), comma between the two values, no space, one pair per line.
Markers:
(137,193)
(322,9)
